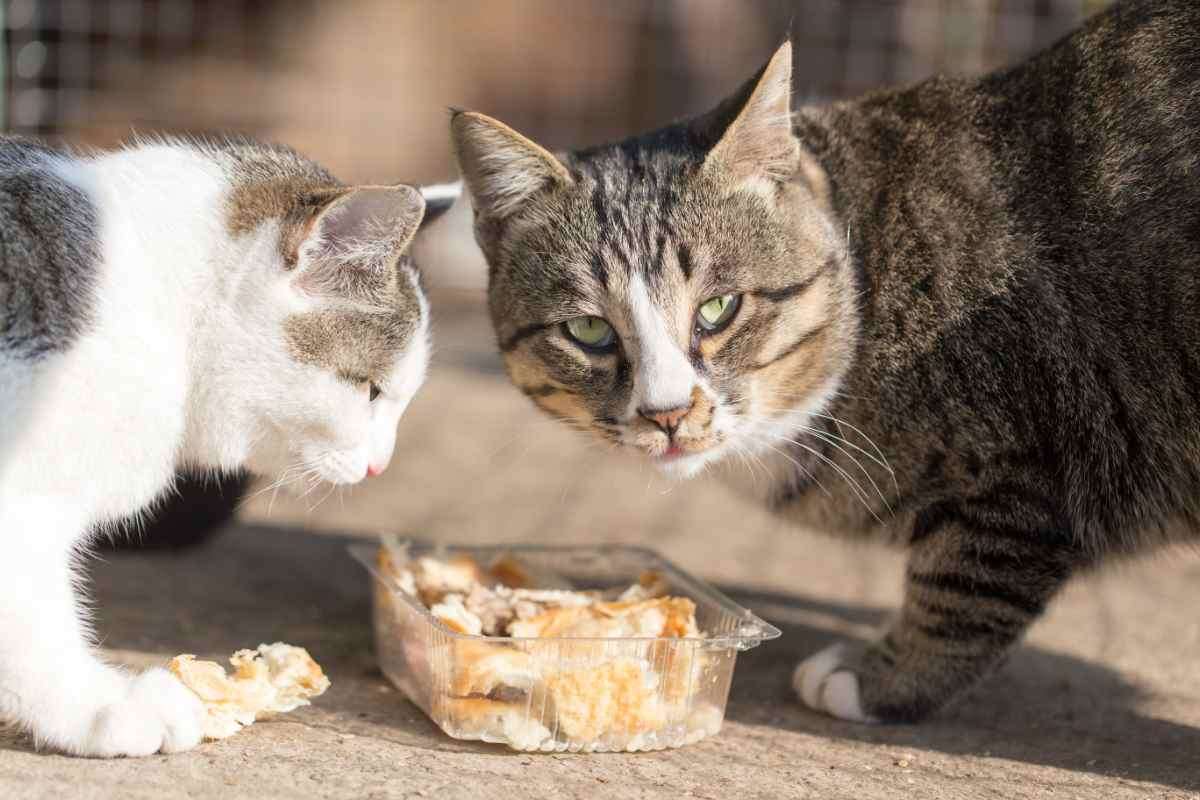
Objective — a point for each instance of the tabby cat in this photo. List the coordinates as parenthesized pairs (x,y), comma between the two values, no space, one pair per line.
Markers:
(176,305)
(963,316)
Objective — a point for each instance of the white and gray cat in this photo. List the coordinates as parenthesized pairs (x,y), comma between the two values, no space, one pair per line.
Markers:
(176,304)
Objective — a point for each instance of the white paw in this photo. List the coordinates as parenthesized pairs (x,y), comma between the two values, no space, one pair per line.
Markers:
(157,714)
(823,686)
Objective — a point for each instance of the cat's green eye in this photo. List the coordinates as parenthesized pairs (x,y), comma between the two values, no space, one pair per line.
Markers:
(716,312)
(593,333)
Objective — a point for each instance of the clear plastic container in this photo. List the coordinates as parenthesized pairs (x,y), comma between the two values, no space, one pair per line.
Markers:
(565,694)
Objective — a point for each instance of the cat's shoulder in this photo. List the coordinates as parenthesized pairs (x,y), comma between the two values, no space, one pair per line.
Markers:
(49,250)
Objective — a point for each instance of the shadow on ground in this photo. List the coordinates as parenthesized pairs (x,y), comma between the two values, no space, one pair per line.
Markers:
(1039,708)
(265,585)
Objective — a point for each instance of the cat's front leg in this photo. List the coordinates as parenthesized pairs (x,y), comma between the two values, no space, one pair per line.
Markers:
(51,681)
(975,582)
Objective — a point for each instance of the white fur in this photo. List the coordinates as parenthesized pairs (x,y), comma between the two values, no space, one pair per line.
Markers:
(664,378)
(823,685)
(185,364)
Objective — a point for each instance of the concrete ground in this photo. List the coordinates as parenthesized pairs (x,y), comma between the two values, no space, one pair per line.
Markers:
(1103,700)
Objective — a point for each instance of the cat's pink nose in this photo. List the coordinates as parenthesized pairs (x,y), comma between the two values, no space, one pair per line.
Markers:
(667,419)
(374,469)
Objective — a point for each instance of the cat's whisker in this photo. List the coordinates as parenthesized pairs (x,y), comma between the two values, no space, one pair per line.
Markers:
(749,460)
(752,461)
(767,470)
(832,440)
(869,440)
(767,442)
(278,486)
(741,455)
(312,477)
(878,457)
(317,481)
(332,488)
(859,492)
(284,477)
(287,476)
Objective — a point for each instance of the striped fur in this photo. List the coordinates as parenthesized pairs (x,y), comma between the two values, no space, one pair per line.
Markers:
(970,321)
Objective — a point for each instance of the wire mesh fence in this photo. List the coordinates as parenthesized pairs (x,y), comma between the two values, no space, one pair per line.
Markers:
(364,84)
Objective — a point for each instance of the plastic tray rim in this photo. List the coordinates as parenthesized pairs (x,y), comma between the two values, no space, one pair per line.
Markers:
(752,630)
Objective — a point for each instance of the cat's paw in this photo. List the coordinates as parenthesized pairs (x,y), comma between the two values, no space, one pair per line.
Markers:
(825,682)
(158,714)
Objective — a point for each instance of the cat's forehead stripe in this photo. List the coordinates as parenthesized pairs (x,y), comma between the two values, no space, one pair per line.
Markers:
(632,201)
(685,260)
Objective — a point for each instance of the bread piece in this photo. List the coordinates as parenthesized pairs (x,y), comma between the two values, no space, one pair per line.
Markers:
(617,698)
(681,670)
(495,721)
(454,615)
(434,578)
(483,668)
(493,609)
(274,678)
(665,616)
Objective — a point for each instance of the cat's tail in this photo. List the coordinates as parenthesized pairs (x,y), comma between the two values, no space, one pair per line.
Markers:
(444,249)
(439,197)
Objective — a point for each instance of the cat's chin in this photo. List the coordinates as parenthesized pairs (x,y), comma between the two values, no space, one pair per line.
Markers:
(684,467)
(307,471)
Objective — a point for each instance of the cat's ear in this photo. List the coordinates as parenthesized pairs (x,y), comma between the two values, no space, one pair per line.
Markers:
(363,228)
(752,129)
(502,168)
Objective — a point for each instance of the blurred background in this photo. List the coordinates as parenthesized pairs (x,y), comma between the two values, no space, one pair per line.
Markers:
(364,86)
